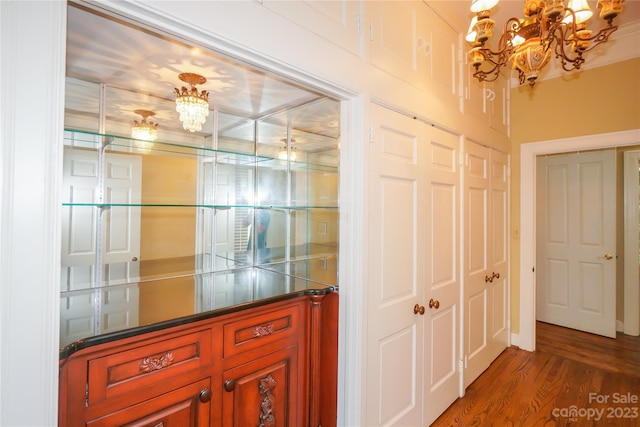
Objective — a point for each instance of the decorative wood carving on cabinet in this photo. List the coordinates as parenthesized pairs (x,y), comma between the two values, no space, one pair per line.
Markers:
(270,365)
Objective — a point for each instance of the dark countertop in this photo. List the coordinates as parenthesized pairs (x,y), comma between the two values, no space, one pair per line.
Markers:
(95,316)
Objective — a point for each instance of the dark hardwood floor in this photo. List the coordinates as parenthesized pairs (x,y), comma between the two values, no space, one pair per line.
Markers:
(572,379)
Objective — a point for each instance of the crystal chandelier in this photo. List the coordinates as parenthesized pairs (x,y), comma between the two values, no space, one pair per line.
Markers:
(144,130)
(284,155)
(192,106)
(547,28)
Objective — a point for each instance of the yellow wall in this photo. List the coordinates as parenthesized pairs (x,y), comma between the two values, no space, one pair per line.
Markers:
(167,242)
(602,100)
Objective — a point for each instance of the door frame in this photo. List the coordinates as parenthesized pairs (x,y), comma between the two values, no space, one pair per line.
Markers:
(526,338)
(631,243)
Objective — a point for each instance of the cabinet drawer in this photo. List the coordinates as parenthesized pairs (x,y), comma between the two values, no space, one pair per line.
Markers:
(131,370)
(262,329)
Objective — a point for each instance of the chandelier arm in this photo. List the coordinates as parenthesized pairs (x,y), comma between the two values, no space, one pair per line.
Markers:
(556,34)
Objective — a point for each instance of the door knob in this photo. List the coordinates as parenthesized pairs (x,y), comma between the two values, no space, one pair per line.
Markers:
(488,279)
(606,256)
(418,309)
(434,304)
(205,395)
(230,385)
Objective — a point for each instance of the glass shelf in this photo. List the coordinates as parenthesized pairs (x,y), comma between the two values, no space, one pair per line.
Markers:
(93,140)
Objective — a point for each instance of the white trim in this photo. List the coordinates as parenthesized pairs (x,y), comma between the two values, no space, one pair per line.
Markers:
(515,340)
(631,286)
(528,153)
(32,67)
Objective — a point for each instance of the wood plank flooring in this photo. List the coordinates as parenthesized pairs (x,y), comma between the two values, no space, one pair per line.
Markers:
(572,379)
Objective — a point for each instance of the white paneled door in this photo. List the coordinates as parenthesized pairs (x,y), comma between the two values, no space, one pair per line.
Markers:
(413,291)
(485,266)
(442,282)
(576,241)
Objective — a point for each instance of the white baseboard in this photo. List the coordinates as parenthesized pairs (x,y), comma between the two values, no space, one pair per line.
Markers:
(619,326)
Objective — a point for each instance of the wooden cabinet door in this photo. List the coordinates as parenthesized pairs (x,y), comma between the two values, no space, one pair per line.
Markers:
(189,406)
(265,392)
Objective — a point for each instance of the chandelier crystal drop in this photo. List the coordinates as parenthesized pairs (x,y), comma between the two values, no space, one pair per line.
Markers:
(549,28)
(143,129)
(192,106)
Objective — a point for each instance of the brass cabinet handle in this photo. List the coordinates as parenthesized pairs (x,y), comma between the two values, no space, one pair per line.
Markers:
(205,395)
(418,309)
(496,275)
(229,385)
(488,279)
(434,304)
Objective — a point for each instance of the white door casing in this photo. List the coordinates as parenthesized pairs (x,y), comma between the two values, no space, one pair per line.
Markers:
(525,338)
(576,241)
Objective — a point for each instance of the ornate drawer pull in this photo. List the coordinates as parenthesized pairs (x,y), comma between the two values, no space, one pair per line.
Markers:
(150,364)
(263,330)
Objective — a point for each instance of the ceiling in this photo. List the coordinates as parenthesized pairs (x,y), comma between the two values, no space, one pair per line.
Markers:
(139,70)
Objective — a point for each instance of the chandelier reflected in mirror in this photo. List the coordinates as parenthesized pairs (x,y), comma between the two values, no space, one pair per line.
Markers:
(143,129)
(192,105)
(548,28)
(284,154)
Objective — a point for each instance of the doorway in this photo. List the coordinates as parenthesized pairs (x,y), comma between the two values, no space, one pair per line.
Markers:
(525,339)
(576,257)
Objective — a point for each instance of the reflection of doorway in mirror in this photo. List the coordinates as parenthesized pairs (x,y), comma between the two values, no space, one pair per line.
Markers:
(98,244)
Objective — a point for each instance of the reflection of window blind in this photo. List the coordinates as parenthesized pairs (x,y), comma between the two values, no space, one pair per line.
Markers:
(243,188)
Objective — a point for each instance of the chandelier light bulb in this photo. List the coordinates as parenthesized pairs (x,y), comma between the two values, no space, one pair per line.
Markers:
(143,129)
(548,29)
(193,106)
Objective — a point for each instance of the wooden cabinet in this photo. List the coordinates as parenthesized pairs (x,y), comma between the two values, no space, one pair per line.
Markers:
(252,366)
(267,391)
(188,406)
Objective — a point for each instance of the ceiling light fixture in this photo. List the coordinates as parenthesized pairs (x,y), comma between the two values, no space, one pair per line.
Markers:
(192,106)
(284,155)
(548,27)
(144,130)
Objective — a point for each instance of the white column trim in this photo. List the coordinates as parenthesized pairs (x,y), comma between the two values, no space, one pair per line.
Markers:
(32,66)
(526,338)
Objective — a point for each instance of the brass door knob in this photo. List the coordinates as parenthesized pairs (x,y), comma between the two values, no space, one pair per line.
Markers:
(418,309)
(496,275)
(607,256)
(488,279)
(434,304)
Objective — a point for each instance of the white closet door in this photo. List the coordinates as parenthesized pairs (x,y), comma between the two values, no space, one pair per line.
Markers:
(396,277)
(442,277)
(485,267)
